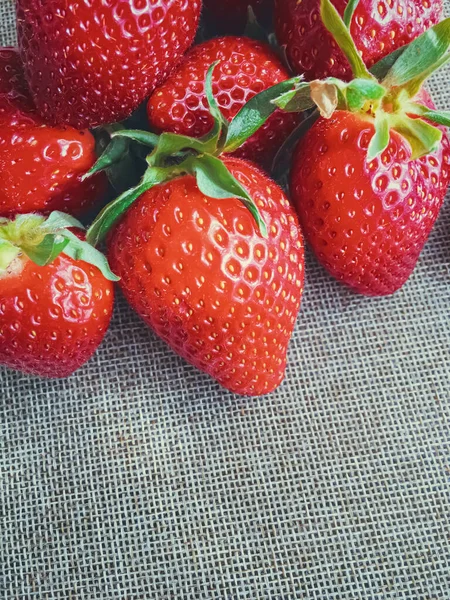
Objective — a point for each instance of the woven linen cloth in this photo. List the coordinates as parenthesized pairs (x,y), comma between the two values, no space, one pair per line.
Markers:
(140,478)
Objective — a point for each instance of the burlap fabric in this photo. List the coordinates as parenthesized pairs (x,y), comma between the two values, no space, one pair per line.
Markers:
(140,478)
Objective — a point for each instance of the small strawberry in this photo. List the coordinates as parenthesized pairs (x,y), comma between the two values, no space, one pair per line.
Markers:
(41,166)
(210,252)
(54,307)
(232,15)
(367,222)
(90,63)
(246,67)
(369,178)
(378,27)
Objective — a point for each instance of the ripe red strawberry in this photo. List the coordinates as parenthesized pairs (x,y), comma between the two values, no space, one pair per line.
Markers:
(90,63)
(370,176)
(198,271)
(367,222)
(232,15)
(245,68)
(378,27)
(52,318)
(41,166)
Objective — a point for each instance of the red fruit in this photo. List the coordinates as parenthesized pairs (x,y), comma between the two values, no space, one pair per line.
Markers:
(12,82)
(232,15)
(245,68)
(378,28)
(93,62)
(198,271)
(41,166)
(53,318)
(367,222)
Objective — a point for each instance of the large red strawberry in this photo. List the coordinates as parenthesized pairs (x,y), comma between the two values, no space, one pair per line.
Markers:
(52,317)
(210,252)
(369,178)
(232,15)
(246,67)
(199,272)
(378,27)
(41,166)
(93,62)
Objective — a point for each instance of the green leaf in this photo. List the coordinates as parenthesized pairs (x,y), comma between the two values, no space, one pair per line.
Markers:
(440,117)
(8,252)
(349,12)
(382,67)
(360,91)
(171,144)
(109,216)
(421,136)
(81,250)
(216,181)
(220,123)
(138,135)
(297,100)
(421,56)
(115,151)
(58,220)
(42,240)
(255,113)
(413,87)
(336,26)
(380,140)
(50,248)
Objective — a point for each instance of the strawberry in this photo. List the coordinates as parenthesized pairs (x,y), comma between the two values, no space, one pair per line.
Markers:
(209,250)
(53,315)
(370,176)
(232,15)
(367,230)
(246,67)
(198,271)
(41,165)
(92,62)
(378,28)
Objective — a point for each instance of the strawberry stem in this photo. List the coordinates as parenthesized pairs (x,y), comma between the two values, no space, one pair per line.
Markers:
(42,240)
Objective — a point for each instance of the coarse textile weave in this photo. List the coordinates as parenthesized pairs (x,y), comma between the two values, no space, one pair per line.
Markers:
(140,478)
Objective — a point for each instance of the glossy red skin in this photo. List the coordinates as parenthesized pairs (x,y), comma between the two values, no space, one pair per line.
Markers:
(92,62)
(52,319)
(232,15)
(366,222)
(200,274)
(378,28)
(41,166)
(246,68)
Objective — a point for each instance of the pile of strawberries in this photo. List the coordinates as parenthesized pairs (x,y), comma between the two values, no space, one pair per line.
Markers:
(133,116)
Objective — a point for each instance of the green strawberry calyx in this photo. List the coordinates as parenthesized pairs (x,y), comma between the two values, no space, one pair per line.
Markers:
(386,93)
(42,239)
(174,155)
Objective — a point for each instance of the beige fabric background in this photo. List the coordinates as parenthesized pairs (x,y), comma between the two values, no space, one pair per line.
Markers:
(139,478)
